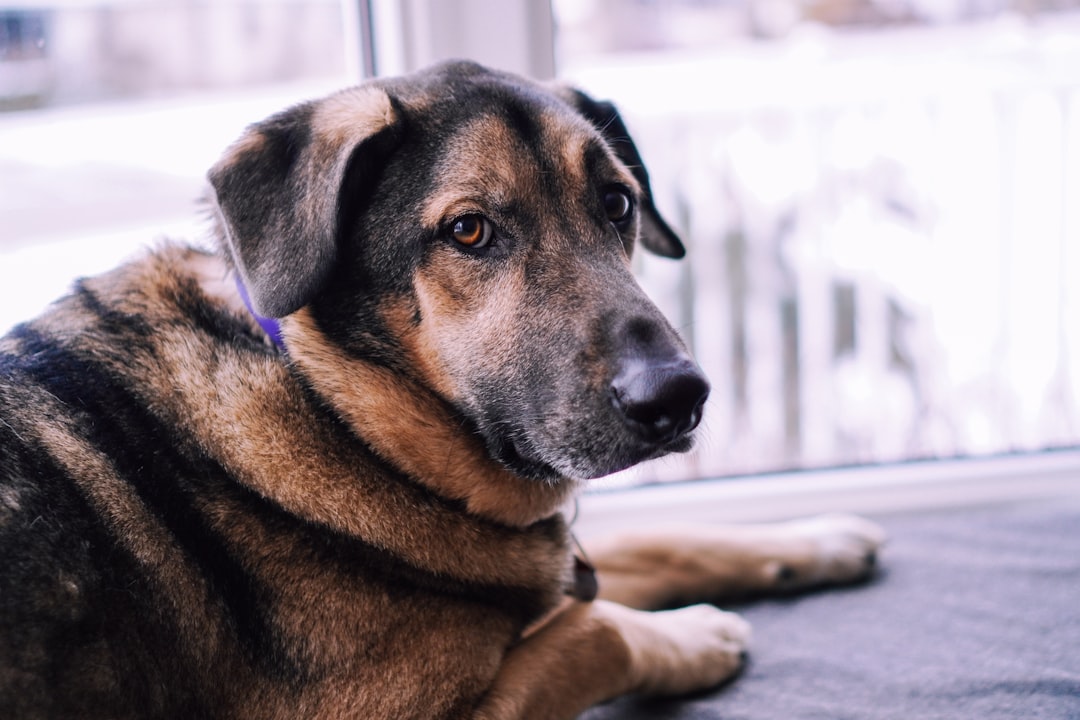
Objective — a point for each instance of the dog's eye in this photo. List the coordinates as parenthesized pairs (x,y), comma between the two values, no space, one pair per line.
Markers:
(472,231)
(618,205)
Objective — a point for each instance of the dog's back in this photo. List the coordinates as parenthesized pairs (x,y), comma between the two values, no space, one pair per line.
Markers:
(85,515)
(142,578)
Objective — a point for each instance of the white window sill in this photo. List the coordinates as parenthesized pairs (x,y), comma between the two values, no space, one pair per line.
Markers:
(870,490)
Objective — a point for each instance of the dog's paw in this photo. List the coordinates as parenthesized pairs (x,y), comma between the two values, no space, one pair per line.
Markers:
(828,549)
(694,648)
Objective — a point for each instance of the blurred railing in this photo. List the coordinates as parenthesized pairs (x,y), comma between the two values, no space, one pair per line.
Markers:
(883,267)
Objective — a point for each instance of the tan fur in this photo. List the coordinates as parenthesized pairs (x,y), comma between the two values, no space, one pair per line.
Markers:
(216,280)
(663,566)
(596,651)
(458,311)
(256,430)
(404,422)
(338,117)
(252,418)
(484,167)
(140,535)
(113,499)
(570,138)
(249,142)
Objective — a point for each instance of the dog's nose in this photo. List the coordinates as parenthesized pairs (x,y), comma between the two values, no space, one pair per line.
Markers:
(660,402)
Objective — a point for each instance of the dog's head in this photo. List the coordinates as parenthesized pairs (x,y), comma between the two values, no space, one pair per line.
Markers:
(472,230)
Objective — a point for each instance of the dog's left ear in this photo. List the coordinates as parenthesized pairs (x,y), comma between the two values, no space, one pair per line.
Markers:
(280,191)
(656,235)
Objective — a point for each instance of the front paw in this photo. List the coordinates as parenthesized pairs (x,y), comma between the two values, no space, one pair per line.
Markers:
(692,649)
(829,549)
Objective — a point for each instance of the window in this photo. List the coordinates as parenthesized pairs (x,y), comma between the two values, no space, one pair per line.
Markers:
(880,205)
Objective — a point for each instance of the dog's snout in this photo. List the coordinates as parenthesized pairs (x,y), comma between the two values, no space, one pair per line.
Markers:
(660,402)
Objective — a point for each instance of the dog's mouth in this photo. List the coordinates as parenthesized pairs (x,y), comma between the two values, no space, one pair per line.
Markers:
(508,452)
(520,457)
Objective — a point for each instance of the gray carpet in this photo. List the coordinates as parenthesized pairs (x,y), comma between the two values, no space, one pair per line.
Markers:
(975,615)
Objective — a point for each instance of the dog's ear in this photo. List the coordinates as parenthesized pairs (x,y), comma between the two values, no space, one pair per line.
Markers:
(279,191)
(656,235)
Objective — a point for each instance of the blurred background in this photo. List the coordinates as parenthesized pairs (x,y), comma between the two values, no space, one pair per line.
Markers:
(881,198)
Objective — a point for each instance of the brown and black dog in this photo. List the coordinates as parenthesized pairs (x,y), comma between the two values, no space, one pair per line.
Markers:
(354,511)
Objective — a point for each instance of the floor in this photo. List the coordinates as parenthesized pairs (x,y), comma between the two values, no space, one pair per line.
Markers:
(976,614)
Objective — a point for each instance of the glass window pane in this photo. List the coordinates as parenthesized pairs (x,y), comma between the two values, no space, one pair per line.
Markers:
(111,113)
(879,199)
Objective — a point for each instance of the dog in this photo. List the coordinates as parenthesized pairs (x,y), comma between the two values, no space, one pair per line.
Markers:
(321,471)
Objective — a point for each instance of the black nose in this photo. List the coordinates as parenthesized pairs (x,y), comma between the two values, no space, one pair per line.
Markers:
(660,402)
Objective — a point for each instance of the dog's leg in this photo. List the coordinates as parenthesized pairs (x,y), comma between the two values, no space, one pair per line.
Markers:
(708,563)
(592,652)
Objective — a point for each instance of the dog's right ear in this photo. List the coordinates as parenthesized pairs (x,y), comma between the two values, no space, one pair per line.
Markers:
(278,191)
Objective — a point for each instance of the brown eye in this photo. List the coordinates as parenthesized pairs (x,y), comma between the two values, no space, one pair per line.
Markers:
(473,231)
(618,205)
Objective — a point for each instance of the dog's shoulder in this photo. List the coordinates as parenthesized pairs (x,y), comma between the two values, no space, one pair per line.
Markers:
(167,285)
(81,387)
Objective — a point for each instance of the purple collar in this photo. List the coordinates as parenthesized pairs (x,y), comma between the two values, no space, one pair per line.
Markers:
(269,325)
